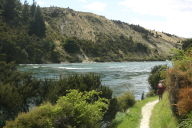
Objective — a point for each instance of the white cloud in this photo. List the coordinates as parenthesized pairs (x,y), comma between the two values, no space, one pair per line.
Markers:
(40,3)
(157,7)
(83,1)
(96,6)
(178,15)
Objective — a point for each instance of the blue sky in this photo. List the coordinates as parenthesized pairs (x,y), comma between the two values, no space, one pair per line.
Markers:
(171,16)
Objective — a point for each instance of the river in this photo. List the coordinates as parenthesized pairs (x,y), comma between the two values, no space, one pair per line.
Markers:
(119,76)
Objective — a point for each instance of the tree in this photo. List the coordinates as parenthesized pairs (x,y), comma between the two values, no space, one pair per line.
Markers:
(157,74)
(1,6)
(187,44)
(25,12)
(33,8)
(9,10)
(17,91)
(37,25)
(71,46)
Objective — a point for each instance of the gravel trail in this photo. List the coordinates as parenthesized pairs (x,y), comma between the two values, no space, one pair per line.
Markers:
(146,114)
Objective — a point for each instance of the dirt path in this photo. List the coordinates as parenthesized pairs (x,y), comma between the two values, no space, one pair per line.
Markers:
(146,114)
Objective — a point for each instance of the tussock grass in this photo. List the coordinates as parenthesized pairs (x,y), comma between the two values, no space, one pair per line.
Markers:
(162,116)
(131,119)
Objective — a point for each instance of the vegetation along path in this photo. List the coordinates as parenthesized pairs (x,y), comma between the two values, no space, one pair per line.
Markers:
(146,114)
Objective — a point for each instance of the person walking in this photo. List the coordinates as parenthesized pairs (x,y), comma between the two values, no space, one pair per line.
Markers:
(160,89)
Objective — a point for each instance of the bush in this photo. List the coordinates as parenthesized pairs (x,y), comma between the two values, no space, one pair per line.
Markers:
(125,101)
(82,82)
(76,109)
(179,81)
(71,46)
(186,122)
(185,99)
(151,93)
(157,74)
(39,117)
(17,91)
(187,44)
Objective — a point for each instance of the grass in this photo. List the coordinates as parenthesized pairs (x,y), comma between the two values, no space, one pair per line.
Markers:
(132,118)
(162,116)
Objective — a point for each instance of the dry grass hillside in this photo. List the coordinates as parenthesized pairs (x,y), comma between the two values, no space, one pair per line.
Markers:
(97,35)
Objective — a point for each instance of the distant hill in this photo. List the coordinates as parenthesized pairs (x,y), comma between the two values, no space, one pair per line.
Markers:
(100,39)
(30,34)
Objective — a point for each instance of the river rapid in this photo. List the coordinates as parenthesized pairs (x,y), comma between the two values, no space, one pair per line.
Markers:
(119,76)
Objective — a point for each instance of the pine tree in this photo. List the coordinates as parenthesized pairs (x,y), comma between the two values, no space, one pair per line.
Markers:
(33,9)
(9,10)
(25,12)
(1,6)
(37,26)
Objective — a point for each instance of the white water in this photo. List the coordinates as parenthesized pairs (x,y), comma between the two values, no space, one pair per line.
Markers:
(120,77)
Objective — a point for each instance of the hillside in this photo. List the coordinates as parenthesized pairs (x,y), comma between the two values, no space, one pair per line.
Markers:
(100,39)
(31,34)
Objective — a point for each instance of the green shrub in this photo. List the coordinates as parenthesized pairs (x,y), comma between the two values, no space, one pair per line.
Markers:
(82,82)
(39,117)
(71,46)
(151,93)
(17,91)
(186,122)
(157,74)
(125,101)
(187,44)
(76,109)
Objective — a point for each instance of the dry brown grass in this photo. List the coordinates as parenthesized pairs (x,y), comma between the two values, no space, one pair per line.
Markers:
(92,27)
(185,100)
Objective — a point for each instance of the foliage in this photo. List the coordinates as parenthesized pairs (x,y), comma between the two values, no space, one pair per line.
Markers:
(178,54)
(33,8)
(25,12)
(151,93)
(18,46)
(117,49)
(157,74)
(162,116)
(71,46)
(76,109)
(37,25)
(185,99)
(126,101)
(112,110)
(10,10)
(186,122)
(20,91)
(82,82)
(187,44)
(179,77)
(15,43)
(179,81)
(145,32)
(17,91)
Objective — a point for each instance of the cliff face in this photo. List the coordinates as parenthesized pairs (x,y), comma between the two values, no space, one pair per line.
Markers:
(100,39)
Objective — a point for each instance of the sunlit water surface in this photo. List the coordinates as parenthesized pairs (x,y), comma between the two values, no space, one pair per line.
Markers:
(120,77)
